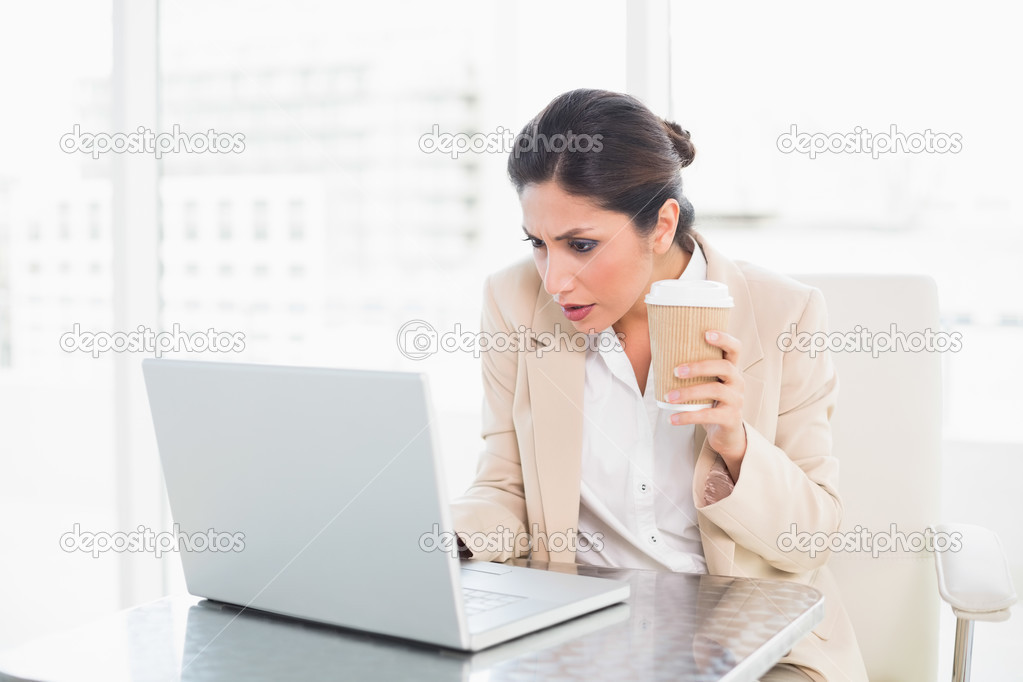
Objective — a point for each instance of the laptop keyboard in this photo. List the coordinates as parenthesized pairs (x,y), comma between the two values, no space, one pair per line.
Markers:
(478,601)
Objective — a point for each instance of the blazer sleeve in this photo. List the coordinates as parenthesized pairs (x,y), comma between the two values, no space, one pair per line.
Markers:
(490,516)
(790,484)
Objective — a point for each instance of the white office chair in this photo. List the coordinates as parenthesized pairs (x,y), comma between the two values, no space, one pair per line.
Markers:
(887,437)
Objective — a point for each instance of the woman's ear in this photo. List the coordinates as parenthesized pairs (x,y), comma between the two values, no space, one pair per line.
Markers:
(667,223)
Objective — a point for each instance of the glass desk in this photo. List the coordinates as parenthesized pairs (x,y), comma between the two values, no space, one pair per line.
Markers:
(674,626)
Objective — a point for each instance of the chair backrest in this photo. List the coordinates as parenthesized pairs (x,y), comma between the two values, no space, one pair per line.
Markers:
(887,437)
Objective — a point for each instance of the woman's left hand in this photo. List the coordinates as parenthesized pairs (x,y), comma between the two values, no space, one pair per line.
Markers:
(723,421)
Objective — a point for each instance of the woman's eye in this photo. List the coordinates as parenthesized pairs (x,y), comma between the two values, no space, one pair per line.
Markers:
(576,245)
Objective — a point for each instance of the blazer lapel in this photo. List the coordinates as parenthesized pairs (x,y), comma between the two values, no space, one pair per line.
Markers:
(742,325)
(555,371)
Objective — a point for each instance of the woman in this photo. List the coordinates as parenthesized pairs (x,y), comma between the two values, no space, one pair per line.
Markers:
(576,448)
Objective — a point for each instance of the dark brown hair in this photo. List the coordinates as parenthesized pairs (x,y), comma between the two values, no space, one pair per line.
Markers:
(610,148)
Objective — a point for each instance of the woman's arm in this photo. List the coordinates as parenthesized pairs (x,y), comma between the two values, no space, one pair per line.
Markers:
(792,482)
(494,506)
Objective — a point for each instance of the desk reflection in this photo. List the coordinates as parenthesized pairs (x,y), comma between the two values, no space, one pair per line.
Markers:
(693,628)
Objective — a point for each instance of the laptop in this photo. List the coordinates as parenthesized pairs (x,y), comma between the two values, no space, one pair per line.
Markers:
(319,494)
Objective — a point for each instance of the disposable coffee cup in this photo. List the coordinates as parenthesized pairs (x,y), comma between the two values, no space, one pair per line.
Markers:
(679,314)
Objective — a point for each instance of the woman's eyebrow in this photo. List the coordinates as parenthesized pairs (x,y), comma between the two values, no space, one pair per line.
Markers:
(568,235)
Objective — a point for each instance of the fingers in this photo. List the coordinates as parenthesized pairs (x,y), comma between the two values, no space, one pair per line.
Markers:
(721,415)
(709,391)
(725,369)
(723,420)
(726,342)
(725,410)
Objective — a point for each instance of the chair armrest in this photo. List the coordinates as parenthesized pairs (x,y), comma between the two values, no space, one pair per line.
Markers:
(973,573)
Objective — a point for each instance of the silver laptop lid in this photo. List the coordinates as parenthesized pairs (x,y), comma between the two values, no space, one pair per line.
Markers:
(312,488)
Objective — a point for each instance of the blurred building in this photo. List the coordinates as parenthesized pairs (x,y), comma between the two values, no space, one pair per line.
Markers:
(323,220)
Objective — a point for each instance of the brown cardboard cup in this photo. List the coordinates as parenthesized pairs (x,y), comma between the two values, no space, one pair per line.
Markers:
(679,313)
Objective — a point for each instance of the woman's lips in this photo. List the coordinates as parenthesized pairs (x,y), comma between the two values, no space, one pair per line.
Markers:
(576,314)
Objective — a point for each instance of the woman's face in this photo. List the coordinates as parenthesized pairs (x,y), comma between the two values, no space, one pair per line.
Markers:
(589,256)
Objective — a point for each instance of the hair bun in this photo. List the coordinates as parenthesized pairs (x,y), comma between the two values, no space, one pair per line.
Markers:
(680,140)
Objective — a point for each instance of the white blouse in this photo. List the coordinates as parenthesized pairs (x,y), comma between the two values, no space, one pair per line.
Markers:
(637,467)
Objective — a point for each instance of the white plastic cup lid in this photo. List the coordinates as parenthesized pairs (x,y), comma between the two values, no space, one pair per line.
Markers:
(701,293)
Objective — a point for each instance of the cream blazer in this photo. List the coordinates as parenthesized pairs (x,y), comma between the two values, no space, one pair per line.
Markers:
(528,474)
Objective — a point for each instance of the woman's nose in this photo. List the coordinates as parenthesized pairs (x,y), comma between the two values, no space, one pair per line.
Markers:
(558,278)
